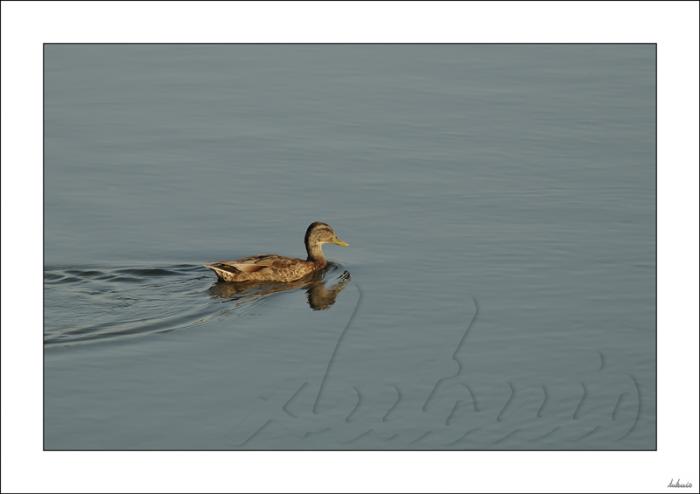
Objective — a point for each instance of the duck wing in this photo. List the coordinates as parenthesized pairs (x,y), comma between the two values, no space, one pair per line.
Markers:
(249,264)
(248,268)
(267,268)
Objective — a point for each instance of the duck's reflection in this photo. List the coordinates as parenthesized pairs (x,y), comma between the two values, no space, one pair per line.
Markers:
(322,288)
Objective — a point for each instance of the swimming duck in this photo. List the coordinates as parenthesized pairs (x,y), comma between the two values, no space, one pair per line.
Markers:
(274,268)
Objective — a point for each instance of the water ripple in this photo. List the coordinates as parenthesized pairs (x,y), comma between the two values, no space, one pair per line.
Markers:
(90,304)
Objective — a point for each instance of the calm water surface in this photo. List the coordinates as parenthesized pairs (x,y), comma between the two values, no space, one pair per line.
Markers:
(499,202)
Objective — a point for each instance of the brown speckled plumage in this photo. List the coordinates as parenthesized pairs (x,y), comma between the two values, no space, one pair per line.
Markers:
(274,268)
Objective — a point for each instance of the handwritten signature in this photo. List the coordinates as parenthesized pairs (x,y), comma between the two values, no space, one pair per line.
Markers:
(679,484)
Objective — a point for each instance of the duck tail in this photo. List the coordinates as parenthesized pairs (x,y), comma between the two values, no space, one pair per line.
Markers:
(223,272)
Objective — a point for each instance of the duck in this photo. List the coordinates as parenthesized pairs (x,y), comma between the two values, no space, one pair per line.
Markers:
(280,269)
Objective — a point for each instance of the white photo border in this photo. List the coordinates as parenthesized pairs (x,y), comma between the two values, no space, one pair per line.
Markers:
(673,26)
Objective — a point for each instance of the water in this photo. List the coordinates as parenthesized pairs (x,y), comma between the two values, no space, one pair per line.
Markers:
(499,202)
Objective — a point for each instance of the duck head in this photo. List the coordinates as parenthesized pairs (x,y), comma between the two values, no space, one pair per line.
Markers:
(317,234)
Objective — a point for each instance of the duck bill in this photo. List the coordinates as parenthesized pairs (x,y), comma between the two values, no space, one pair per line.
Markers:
(342,243)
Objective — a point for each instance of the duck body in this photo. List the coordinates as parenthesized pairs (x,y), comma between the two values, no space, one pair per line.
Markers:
(263,268)
(274,268)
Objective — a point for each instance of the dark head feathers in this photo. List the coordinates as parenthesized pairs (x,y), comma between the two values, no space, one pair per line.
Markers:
(316,225)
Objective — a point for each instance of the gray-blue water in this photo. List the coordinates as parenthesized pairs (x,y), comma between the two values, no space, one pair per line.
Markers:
(499,202)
